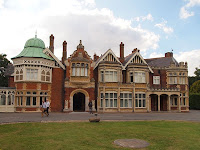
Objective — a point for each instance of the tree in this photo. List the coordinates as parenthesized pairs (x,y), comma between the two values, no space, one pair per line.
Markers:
(3,65)
(195,88)
(197,72)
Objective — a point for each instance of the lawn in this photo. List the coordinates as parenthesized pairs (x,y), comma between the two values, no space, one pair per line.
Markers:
(90,136)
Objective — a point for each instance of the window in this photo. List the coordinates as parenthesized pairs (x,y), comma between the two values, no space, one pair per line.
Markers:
(28,101)
(43,75)
(3,100)
(102,76)
(31,74)
(140,100)
(111,99)
(110,76)
(131,76)
(34,98)
(19,75)
(183,99)
(48,76)
(73,69)
(182,80)
(79,69)
(174,101)
(9,100)
(156,79)
(101,100)
(172,80)
(139,77)
(125,100)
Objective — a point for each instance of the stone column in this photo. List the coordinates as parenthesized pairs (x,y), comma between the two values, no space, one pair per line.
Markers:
(158,102)
(169,103)
(118,99)
(179,104)
(104,103)
(147,103)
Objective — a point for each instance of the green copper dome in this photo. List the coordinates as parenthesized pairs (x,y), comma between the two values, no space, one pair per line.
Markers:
(34,48)
(35,42)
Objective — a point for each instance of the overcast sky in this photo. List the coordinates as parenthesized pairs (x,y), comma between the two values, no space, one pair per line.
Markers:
(153,26)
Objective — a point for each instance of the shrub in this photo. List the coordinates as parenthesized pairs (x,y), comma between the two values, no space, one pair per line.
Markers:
(194,101)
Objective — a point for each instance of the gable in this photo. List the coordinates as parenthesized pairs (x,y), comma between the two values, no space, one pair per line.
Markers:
(137,58)
(108,56)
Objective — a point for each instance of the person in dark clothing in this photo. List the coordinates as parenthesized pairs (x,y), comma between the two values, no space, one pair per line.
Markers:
(90,107)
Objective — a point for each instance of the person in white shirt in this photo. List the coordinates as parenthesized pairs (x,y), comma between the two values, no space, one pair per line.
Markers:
(44,108)
(47,104)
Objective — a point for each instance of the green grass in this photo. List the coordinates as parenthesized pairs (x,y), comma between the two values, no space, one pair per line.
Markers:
(90,136)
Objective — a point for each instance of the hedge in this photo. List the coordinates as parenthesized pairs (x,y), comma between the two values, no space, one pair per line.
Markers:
(194,101)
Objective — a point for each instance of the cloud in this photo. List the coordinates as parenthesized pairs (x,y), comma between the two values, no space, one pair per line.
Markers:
(99,29)
(149,17)
(184,13)
(191,57)
(163,26)
(1,4)
(155,55)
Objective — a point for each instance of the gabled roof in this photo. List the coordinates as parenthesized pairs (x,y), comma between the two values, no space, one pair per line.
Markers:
(161,62)
(109,51)
(54,57)
(131,56)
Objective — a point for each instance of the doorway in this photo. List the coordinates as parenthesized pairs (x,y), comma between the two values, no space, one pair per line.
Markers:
(79,102)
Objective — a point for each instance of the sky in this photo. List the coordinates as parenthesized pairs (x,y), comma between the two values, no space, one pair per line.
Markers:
(153,26)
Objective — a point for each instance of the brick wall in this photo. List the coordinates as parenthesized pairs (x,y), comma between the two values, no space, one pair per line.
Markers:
(11,82)
(57,88)
(163,78)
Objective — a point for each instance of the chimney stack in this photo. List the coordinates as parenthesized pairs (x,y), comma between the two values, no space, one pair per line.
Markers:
(51,46)
(121,52)
(64,57)
(169,54)
(96,57)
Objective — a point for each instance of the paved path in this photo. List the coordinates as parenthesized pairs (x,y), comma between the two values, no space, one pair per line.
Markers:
(193,115)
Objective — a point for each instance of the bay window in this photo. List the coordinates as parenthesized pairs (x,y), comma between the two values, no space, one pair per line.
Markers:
(110,76)
(140,77)
(31,74)
(79,69)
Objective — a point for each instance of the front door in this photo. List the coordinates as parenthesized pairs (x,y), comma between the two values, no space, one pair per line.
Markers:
(79,102)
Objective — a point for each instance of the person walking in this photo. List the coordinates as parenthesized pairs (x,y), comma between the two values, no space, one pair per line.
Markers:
(90,107)
(47,104)
(44,108)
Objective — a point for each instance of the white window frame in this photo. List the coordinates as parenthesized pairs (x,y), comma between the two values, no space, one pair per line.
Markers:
(31,74)
(138,99)
(110,102)
(182,80)
(110,76)
(140,77)
(124,99)
(156,80)
(174,101)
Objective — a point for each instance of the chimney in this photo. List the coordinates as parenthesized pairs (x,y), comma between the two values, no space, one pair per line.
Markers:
(135,50)
(169,54)
(64,57)
(121,52)
(51,46)
(96,57)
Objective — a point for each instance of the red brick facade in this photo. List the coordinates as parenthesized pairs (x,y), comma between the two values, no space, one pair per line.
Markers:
(57,90)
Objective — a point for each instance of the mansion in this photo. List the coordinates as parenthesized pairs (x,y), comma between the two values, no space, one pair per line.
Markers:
(113,84)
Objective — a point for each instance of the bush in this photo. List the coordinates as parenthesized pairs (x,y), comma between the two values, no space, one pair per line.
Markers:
(194,101)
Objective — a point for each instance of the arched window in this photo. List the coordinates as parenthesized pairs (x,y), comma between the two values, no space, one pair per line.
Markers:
(48,76)
(3,100)
(43,75)
(21,74)
(9,100)
(17,75)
